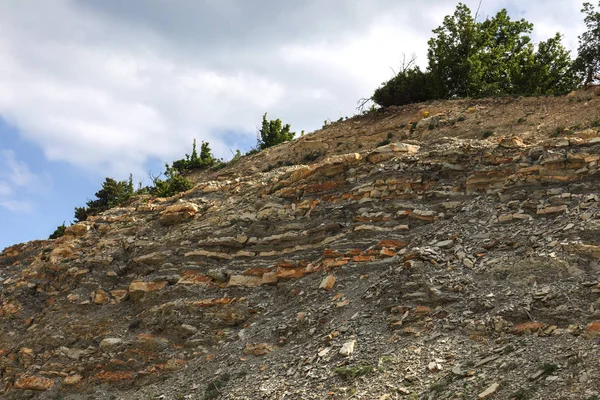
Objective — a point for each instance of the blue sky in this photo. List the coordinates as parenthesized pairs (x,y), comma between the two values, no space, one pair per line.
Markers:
(90,89)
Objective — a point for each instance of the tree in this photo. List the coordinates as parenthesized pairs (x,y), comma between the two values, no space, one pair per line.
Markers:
(112,194)
(587,64)
(470,59)
(273,133)
(451,52)
(467,58)
(551,72)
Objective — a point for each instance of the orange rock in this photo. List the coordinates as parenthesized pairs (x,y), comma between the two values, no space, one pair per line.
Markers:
(77,230)
(387,253)
(100,297)
(194,278)
(332,263)
(422,310)
(354,252)
(72,380)
(119,294)
(257,271)
(528,327)
(243,280)
(260,349)
(392,244)
(111,377)
(321,187)
(594,328)
(139,288)
(34,383)
(212,302)
(269,278)
(328,283)
(363,258)
(178,213)
(328,253)
(286,264)
(283,273)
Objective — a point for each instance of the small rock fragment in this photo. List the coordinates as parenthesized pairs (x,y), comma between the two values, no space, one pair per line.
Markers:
(489,391)
(348,348)
(328,283)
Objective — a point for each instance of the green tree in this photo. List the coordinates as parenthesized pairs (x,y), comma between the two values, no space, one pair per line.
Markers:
(273,132)
(60,231)
(587,64)
(551,72)
(451,52)
(112,194)
(467,58)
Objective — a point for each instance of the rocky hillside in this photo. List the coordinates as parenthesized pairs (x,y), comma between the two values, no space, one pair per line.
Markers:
(442,251)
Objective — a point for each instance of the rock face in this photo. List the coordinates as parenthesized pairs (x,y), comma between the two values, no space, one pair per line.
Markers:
(428,266)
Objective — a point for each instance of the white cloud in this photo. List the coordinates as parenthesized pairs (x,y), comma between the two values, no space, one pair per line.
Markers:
(108,85)
(14,170)
(17,181)
(16,206)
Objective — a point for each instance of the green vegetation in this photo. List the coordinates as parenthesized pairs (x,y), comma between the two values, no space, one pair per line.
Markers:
(273,132)
(213,388)
(60,231)
(587,63)
(195,161)
(173,183)
(494,57)
(549,368)
(384,142)
(111,195)
(351,372)
(313,155)
(521,394)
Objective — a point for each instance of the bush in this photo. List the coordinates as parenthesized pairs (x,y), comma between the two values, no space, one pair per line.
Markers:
(111,195)
(195,161)
(173,184)
(273,132)
(60,231)
(409,86)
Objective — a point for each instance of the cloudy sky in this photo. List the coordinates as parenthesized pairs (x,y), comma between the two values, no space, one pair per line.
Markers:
(90,89)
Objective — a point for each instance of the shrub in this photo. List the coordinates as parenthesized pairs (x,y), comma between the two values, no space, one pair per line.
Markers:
(112,194)
(273,132)
(60,231)
(195,161)
(351,372)
(411,85)
(173,184)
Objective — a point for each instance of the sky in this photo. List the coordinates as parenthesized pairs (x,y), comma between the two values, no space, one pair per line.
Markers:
(90,89)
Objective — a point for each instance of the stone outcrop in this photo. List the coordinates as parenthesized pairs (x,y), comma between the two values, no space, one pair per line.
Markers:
(426,266)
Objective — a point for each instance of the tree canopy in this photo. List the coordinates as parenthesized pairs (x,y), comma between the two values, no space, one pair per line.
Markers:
(587,64)
(467,58)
